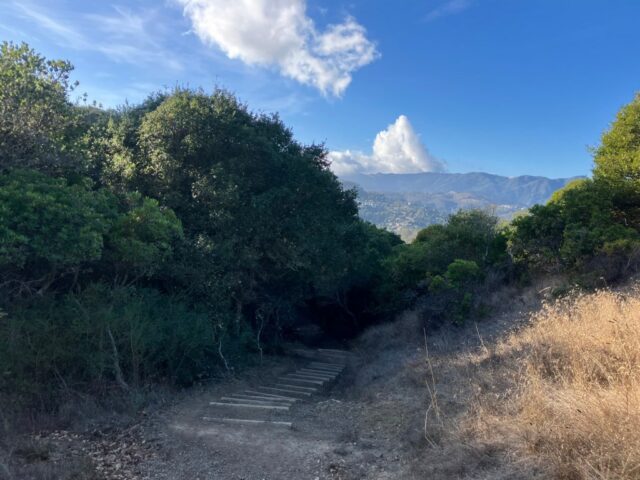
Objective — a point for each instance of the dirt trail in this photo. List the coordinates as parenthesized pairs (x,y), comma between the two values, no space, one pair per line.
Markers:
(367,423)
(359,416)
(336,432)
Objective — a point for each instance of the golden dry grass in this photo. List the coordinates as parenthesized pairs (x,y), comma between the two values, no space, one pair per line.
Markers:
(576,409)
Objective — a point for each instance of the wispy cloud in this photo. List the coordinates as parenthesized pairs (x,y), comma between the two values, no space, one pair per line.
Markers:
(450,7)
(131,93)
(122,36)
(20,33)
(47,22)
(280,34)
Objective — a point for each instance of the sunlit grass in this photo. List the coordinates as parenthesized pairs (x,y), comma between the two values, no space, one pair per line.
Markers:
(577,410)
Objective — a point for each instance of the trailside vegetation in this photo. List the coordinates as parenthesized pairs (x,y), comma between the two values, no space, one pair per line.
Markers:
(165,241)
(590,229)
(448,267)
(161,242)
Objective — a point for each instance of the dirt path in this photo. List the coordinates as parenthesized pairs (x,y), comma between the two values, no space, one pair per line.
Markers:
(312,417)
(331,432)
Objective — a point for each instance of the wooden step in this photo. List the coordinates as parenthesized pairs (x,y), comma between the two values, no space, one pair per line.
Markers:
(297,387)
(248,405)
(309,376)
(254,398)
(320,373)
(271,395)
(335,366)
(294,378)
(246,421)
(288,391)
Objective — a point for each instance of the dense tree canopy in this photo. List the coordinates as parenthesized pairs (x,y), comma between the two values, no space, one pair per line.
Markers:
(447,265)
(189,198)
(617,159)
(50,228)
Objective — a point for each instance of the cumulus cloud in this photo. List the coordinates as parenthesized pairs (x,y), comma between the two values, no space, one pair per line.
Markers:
(397,149)
(279,33)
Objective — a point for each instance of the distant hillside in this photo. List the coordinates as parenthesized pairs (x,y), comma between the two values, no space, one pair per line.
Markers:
(405,203)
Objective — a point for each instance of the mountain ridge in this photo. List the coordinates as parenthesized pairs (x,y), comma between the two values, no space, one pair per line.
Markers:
(407,202)
(523,190)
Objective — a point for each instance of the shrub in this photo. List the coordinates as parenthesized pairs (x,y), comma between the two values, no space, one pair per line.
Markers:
(103,336)
(463,272)
(51,228)
(580,228)
(37,120)
(446,266)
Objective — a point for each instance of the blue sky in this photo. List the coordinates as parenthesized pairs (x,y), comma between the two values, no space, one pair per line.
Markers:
(504,86)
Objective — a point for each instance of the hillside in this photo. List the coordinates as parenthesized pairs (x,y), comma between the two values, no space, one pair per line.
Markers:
(483,401)
(406,203)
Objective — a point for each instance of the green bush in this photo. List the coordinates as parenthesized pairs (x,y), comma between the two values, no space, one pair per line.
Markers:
(50,344)
(45,219)
(51,228)
(38,125)
(463,272)
(155,241)
(445,267)
(582,230)
(141,240)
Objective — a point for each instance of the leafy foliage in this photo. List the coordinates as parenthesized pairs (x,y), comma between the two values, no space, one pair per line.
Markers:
(579,230)
(36,118)
(166,240)
(591,228)
(141,240)
(617,159)
(446,264)
(49,227)
(65,341)
(110,219)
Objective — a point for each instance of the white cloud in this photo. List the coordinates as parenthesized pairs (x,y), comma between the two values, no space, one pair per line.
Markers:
(451,7)
(397,149)
(279,33)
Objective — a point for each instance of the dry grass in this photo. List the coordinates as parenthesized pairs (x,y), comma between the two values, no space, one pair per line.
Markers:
(549,394)
(576,408)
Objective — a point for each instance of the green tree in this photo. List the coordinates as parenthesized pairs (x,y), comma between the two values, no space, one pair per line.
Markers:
(49,228)
(275,222)
(141,240)
(617,159)
(144,242)
(37,121)
(463,272)
(582,230)
(445,266)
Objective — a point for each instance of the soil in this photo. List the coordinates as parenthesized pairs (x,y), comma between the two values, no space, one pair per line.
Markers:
(357,427)
(339,433)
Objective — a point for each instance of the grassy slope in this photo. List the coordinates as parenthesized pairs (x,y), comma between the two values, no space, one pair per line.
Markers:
(575,410)
(541,390)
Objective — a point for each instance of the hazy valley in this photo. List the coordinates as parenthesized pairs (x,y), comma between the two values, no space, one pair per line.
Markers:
(407,203)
